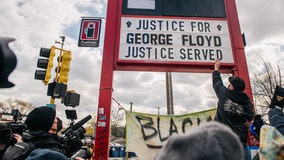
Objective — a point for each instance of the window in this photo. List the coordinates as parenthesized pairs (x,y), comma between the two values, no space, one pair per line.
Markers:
(188,8)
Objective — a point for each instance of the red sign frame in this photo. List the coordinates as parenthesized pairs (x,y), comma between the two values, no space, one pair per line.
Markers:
(111,62)
(174,66)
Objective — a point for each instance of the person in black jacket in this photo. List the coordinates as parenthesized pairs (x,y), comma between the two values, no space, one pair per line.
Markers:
(42,128)
(275,114)
(234,106)
(42,125)
(7,138)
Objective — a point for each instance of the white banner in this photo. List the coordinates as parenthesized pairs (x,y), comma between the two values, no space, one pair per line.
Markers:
(146,133)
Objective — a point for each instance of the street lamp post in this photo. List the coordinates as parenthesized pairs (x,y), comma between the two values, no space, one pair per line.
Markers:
(158,110)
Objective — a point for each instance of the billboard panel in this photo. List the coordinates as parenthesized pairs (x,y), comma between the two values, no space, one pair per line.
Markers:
(174,40)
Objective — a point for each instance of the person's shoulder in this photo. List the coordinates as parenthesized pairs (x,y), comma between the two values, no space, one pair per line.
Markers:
(20,150)
(247,100)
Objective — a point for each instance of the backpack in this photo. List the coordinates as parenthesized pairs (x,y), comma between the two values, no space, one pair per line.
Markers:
(18,151)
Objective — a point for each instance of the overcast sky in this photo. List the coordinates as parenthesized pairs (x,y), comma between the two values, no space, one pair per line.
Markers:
(38,23)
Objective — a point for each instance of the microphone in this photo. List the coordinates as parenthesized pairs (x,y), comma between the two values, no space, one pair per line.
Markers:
(77,125)
(81,122)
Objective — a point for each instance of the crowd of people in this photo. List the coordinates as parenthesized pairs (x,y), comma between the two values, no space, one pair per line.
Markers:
(223,138)
(227,136)
(40,141)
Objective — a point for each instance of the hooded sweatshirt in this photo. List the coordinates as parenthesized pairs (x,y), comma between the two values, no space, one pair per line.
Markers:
(234,107)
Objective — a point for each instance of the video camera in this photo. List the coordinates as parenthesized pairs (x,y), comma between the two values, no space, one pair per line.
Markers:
(72,135)
(12,127)
(16,126)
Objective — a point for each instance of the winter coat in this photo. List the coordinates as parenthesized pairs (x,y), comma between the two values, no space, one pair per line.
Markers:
(44,140)
(276,119)
(33,141)
(234,108)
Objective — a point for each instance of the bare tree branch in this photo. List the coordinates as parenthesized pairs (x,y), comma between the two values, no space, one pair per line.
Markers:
(264,84)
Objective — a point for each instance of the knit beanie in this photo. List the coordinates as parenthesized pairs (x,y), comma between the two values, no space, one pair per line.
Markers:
(278,97)
(210,141)
(40,118)
(238,83)
(46,154)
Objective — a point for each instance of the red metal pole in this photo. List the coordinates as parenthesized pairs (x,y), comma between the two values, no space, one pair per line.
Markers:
(241,69)
(105,94)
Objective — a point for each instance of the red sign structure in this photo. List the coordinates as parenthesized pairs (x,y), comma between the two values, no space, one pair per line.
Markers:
(167,36)
(89,33)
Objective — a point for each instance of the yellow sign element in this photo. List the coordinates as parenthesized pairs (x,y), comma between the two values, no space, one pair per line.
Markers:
(49,65)
(65,67)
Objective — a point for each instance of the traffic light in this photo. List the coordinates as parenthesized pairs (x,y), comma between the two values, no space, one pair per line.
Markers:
(56,90)
(64,67)
(71,99)
(45,63)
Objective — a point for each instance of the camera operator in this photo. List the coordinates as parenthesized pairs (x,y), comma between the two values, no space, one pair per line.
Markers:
(6,138)
(42,127)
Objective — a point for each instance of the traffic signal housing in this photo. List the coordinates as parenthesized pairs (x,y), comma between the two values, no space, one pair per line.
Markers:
(64,67)
(56,90)
(71,99)
(45,63)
